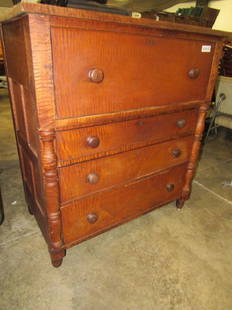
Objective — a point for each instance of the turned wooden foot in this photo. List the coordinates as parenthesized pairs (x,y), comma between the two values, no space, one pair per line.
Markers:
(30,209)
(180,203)
(57,257)
(29,201)
(57,263)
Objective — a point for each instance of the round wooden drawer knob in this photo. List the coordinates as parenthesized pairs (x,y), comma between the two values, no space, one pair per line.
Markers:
(93,141)
(96,75)
(170,187)
(92,178)
(140,123)
(176,152)
(92,218)
(194,73)
(181,123)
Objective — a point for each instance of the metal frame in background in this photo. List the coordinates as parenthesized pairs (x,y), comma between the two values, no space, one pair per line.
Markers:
(215,112)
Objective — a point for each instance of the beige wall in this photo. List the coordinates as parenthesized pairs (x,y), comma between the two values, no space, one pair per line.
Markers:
(224,19)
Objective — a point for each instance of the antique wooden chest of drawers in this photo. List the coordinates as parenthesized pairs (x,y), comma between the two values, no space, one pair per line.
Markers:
(108,114)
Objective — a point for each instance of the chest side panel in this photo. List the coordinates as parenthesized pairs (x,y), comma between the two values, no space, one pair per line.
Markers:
(16,42)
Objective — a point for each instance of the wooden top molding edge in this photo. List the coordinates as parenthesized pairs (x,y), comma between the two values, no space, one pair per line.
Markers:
(43,9)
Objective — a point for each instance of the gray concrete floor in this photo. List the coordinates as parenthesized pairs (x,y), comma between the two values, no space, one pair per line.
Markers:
(165,260)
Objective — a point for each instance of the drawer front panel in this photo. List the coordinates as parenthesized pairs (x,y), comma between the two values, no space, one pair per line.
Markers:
(91,176)
(102,72)
(98,212)
(92,142)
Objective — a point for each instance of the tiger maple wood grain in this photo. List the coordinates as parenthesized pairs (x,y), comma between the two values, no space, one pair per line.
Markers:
(107,113)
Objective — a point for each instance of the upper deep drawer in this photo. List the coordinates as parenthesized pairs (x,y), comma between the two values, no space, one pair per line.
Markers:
(92,142)
(99,72)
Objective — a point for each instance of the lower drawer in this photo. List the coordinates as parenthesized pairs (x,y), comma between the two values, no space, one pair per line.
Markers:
(98,174)
(87,217)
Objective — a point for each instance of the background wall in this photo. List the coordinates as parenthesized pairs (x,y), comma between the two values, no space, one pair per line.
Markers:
(224,19)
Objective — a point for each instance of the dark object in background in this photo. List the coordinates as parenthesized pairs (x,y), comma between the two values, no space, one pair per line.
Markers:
(1,209)
(66,2)
(202,2)
(60,2)
(226,62)
(93,6)
(2,68)
(55,2)
(97,5)
(204,15)
(198,16)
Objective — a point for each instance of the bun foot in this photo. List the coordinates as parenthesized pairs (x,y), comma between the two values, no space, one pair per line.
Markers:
(29,203)
(57,257)
(57,263)
(30,209)
(180,203)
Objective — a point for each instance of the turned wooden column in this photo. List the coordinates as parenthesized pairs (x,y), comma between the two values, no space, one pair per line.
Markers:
(49,164)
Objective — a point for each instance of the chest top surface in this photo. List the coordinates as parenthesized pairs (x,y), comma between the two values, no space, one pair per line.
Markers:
(32,8)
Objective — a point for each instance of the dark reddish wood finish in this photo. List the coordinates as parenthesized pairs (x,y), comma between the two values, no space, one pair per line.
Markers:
(148,75)
(121,168)
(114,206)
(111,128)
(73,146)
